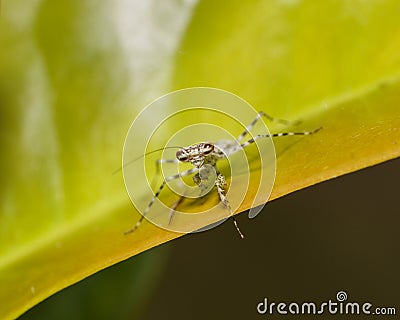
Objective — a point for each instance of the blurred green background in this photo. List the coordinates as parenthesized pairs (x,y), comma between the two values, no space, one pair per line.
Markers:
(74,74)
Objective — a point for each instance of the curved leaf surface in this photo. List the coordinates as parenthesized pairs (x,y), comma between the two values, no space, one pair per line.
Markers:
(74,74)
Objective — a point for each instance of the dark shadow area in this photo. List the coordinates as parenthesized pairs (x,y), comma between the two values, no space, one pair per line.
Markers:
(341,235)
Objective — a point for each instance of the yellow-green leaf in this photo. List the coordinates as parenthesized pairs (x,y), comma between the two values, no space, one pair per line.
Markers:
(74,74)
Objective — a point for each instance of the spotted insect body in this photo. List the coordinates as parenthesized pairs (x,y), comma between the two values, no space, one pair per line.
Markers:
(195,154)
(205,154)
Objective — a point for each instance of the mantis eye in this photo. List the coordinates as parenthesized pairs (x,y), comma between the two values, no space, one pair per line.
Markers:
(207,148)
(182,156)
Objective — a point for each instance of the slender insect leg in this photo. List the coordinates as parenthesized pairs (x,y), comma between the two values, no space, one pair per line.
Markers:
(269,118)
(220,184)
(174,206)
(281,134)
(158,164)
(170,178)
(160,161)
